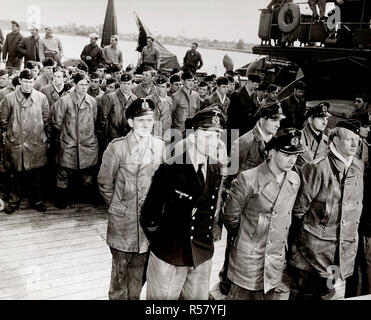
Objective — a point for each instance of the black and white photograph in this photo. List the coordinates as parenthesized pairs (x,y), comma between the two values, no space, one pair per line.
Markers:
(198,151)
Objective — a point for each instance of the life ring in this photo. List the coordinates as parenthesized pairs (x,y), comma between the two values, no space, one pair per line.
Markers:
(295,13)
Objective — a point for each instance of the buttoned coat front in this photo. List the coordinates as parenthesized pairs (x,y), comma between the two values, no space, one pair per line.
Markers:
(184,106)
(75,125)
(112,122)
(313,148)
(178,214)
(26,123)
(330,205)
(124,182)
(162,117)
(259,212)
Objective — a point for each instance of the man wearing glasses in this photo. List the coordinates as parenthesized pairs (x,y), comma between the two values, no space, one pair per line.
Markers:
(112,54)
(92,54)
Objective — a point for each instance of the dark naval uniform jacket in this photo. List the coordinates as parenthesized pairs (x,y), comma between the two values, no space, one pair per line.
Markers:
(178,215)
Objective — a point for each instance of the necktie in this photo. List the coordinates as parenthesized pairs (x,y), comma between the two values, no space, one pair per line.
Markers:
(200,175)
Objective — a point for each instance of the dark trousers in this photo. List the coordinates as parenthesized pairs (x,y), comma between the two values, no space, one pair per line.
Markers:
(128,275)
(239,293)
(32,180)
(14,62)
(64,174)
(307,285)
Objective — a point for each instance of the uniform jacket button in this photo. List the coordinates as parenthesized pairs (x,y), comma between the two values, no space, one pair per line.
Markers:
(191,237)
(193,218)
(210,228)
(192,228)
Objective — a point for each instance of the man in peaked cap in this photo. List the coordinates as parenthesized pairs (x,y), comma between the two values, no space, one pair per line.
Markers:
(112,122)
(242,108)
(250,149)
(325,245)
(124,178)
(314,139)
(179,212)
(258,215)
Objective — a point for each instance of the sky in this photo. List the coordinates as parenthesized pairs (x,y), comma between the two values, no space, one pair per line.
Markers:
(215,19)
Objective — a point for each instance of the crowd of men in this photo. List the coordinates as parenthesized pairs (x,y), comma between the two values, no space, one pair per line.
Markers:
(293,207)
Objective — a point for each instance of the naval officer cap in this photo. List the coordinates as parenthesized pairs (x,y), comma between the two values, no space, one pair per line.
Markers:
(210,118)
(319,111)
(271,111)
(353,125)
(287,140)
(140,107)
(48,62)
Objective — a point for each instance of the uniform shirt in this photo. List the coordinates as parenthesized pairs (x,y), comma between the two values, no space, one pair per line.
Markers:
(192,59)
(150,55)
(53,44)
(113,55)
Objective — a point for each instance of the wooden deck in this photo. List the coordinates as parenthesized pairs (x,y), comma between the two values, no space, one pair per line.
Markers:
(62,255)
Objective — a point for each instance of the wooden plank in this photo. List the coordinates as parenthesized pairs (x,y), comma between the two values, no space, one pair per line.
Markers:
(88,283)
(18,241)
(45,275)
(27,269)
(50,246)
(55,217)
(71,224)
(99,293)
(62,256)
(51,235)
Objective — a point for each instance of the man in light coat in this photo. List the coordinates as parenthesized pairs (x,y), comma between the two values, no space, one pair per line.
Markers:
(328,209)
(73,117)
(186,102)
(163,105)
(251,152)
(124,180)
(25,118)
(258,213)
(314,139)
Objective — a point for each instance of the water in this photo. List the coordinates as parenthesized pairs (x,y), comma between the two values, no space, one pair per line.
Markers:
(213,59)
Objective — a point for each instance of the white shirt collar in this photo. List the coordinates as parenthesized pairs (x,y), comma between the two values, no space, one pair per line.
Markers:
(266,137)
(347,162)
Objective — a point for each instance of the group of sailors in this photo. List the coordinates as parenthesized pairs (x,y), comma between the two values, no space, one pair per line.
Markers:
(293,205)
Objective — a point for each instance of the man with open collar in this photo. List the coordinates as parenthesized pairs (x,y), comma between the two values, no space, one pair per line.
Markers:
(179,212)
(124,179)
(328,206)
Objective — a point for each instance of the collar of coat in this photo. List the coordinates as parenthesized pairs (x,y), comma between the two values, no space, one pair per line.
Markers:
(133,142)
(340,166)
(265,175)
(156,99)
(20,97)
(83,102)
